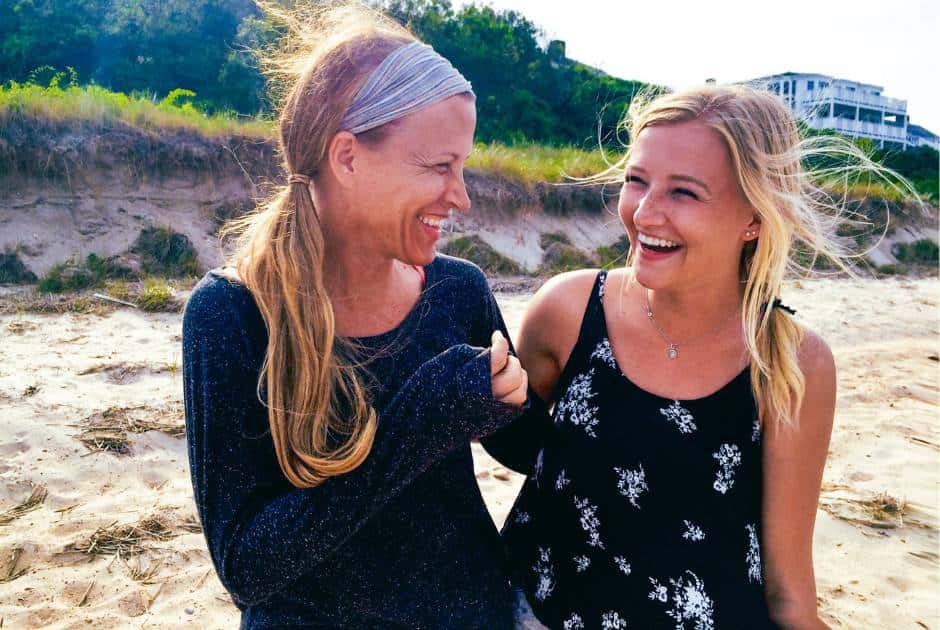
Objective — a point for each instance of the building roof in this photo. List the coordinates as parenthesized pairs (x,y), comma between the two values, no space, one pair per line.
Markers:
(920,132)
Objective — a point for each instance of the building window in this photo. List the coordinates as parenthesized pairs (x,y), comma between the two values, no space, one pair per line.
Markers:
(786,87)
(823,85)
(810,84)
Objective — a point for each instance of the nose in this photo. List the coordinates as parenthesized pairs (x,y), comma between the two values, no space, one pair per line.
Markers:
(648,211)
(457,195)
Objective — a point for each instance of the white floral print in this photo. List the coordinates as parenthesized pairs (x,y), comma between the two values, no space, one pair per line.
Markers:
(602,285)
(574,622)
(693,532)
(755,430)
(575,405)
(612,620)
(605,353)
(729,458)
(523,517)
(623,565)
(543,569)
(581,563)
(680,416)
(632,484)
(659,593)
(561,482)
(589,522)
(754,572)
(690,603)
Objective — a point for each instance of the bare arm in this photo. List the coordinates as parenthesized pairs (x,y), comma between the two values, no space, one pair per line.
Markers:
(547,336)
(793,467)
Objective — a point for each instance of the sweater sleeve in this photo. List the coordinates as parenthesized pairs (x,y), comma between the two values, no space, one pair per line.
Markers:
(263,533)
(517,444)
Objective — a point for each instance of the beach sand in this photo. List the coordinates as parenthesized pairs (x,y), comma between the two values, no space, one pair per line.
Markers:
(73,385)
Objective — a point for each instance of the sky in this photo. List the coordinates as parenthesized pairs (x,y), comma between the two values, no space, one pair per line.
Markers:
(680,43)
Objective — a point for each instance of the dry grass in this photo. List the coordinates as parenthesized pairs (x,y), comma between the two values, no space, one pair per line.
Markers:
(108,430)
(885,508)
(35,499)
(10,572)
(143,572)
(124,540)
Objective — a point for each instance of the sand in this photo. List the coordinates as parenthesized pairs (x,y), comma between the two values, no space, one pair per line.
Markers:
(120,371)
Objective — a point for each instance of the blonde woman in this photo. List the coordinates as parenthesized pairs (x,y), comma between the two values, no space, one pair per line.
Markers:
(336,372)
(678,485)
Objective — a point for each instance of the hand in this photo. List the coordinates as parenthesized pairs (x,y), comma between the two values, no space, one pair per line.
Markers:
(509,381)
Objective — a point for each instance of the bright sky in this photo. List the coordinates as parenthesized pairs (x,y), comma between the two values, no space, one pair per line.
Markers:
(683,42)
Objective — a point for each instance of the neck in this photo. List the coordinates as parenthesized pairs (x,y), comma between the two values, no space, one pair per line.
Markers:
(355,277)
(689,313)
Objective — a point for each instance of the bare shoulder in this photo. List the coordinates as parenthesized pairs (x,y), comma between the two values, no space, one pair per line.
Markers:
(550,328)
(815,359)
(562,299)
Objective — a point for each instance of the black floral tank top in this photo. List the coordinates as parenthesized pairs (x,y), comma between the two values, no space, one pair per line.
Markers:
(642,512)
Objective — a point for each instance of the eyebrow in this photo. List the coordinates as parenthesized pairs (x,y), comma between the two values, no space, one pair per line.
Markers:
(681,178)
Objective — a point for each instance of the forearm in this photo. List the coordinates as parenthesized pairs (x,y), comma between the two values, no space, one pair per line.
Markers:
(270,544)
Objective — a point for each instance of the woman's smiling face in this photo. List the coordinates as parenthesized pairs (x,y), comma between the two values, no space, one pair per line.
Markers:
(685,213)
(408,182)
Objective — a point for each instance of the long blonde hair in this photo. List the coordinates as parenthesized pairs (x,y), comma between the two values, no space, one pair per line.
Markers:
(321,419)
(792,203)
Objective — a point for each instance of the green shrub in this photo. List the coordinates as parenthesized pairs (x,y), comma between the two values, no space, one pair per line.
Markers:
(922,251)
(157,295)
(615,254)
(553,237)
(166,253)
(559,258)
(480,253)
(893,269)
(68,276)
(13,271)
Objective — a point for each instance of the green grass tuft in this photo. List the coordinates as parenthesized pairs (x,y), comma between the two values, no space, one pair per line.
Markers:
(614,255)
(12,269)
(165,252)
(157,296)
(922,251)
(546,240)
(480,253)
(533,163)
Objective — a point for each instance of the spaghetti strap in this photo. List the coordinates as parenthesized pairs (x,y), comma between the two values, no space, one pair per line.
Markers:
(592,329)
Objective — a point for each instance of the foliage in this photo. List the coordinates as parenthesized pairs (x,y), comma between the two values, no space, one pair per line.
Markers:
(157,295)
(615,254)
(12,269)
(103,108)
(480,253)
(165,252)
(537,94)
(921,251)
(560,257)
(548,238)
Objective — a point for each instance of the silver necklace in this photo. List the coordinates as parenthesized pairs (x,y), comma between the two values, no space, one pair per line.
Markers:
(672,349)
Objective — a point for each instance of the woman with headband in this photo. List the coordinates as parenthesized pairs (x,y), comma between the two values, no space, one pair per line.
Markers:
(336,371)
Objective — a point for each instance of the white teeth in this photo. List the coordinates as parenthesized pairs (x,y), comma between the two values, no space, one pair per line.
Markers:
(434,222)
(655,242)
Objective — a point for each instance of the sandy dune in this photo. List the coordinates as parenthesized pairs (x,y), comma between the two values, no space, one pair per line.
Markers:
(72,385)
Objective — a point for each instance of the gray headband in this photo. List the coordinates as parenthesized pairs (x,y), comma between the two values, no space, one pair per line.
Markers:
(410,78)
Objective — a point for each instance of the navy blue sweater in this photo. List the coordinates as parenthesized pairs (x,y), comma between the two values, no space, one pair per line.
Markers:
(404,540)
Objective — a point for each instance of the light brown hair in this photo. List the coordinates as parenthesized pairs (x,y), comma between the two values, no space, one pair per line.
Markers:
(319,411)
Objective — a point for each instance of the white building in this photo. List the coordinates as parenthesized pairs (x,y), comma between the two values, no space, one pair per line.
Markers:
(849,107)
(918,136)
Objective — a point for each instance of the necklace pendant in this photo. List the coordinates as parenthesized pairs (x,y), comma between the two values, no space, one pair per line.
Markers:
(672,351)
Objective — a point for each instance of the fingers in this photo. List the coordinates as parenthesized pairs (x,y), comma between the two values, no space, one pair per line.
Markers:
(499,353)
(511,384)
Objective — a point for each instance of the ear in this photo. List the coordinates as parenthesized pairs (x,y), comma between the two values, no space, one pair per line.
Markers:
(341,156)
(752,231)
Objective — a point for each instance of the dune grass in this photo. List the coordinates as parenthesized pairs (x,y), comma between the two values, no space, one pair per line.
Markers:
(103,108)
(533,163)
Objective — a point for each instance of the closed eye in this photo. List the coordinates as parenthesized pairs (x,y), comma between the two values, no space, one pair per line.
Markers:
(686,191)
(633,179)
